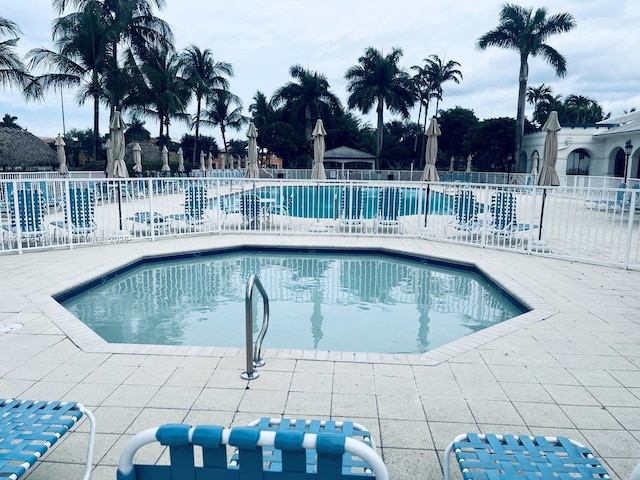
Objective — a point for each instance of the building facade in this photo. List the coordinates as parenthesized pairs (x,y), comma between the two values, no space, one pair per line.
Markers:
(590,149)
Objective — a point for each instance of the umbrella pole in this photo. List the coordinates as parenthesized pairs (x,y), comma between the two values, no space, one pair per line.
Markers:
(544,197)
(120,204)
(426,206)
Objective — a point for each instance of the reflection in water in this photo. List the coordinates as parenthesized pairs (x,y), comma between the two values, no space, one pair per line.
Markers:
(348,302)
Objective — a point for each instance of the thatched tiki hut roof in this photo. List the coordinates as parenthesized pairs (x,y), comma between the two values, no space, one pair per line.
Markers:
(21,149)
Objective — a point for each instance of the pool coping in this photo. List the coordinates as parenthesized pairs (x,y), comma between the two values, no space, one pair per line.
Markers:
(89,341)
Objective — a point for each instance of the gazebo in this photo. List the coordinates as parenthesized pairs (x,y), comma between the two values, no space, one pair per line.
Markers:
(341,156)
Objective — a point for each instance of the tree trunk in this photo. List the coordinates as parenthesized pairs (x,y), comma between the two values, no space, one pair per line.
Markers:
(380,110)
(195,143)
(225,158)
(415,143)
(522,92)
(96,128)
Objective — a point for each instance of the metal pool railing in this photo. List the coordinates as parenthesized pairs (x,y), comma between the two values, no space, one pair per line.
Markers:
(581,223)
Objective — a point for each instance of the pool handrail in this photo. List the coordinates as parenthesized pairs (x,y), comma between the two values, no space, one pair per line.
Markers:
(254,353)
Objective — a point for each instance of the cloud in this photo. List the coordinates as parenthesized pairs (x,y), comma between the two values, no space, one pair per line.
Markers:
(263,39)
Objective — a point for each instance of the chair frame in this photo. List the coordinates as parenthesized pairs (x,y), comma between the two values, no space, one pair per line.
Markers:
(389,210)
(28,429)
(466,209)
(250,443)
(352,208)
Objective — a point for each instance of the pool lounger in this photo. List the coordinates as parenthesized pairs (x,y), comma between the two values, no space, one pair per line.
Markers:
(253,457)
(505,457)
(28,429)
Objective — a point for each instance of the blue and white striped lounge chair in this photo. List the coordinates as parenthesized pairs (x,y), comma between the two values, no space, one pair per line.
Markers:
(29,428)
(465,213)
(352,208)
(79,215)
(389,210)
(195,204)
(504,222)
(511,457)
(27,220)
(254,455)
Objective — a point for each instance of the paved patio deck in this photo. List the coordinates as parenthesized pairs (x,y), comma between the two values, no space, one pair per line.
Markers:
(573,370)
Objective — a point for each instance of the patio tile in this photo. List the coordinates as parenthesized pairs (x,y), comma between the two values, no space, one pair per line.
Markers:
(311,382)
(263,401)
(175,397)
(131,396)
(189,377)
(115,419)
(615,396)
(526,392)
(543,415)
(400,407)
(48,390)
(571,395)
(226,399)
(482,390)
(150,375)
(587,417)
(447,409)
(155,417)
(353,383)
(308,405)
(405,434)
(495,412)
(350,406)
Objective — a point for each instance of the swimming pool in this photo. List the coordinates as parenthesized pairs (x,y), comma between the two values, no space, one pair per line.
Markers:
(325,300)
(324,201)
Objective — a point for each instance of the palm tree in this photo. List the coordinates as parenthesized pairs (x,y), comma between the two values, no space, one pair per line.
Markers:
(545,106)
(578,106)
(310,98)
(378,80)
(537,94)
(204,76)
(224,110)
(525,31)
(439,73)
(424,91)
(133,25)
(9,121)
(12,70)
(262,113)
(157,88)
(82,59)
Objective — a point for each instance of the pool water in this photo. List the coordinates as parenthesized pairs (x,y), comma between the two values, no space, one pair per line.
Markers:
(323,201)
(324,301)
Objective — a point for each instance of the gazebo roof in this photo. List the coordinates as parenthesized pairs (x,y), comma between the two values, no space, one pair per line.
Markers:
(347,153)
(19,148)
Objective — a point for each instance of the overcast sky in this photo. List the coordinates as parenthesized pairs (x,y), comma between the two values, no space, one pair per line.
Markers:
(262,39)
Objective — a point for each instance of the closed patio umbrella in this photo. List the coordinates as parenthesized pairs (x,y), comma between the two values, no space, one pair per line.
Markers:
(548,174)
(209,162)
(116,135)
(534,168)
(252,152)
(165,160)
(109,152)
(430,174)
(180,160)
(203,167)
(319,147)
(137,158)
(62,156)
(469,160)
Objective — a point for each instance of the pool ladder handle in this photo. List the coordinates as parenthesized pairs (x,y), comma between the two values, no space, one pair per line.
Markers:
(254,352)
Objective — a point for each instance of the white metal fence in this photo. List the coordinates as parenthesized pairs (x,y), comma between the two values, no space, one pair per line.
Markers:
(581,222)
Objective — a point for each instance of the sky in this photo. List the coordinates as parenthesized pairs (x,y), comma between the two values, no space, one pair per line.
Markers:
(262,39)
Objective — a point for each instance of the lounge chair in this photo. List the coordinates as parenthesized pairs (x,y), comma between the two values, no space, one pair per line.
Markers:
(504,222)
(389,210)
(465,216)
(27,221)
(79,214)
(352,208)
(285,454)
(499,457)
(284,209)
(250,211)
(621,203)
(144,223)
(195,204)
(28,429)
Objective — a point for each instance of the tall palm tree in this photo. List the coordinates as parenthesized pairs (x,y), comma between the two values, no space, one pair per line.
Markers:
(134,26)
(262,113)
(81,59)
(12,70)
(525,31)
(158,89)
(224,110)
(204,76)
(309,98)
(537,94)
(578,107)
(439,73)
(378,80)
(423,91)
(545,106)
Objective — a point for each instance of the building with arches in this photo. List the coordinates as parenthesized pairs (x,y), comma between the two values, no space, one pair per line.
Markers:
(594,149)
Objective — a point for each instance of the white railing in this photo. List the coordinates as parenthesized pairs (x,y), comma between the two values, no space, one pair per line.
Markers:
(582,223)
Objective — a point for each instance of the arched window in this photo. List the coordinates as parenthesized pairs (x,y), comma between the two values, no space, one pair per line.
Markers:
(578,162)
